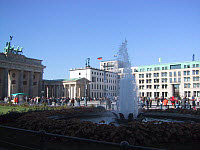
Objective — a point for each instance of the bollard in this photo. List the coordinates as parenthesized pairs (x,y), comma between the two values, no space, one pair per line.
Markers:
(124,145)
(42,134)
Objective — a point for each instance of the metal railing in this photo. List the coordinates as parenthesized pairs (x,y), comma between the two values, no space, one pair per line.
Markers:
(41,140)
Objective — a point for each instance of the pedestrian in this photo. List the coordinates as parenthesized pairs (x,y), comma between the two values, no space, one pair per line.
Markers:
(78,102)
(161,104)
(198,100)
(85,101)
(150,101)
(193,103)
(72,101)
(147,103)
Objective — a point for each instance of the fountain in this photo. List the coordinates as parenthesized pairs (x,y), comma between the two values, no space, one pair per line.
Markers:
(128,101)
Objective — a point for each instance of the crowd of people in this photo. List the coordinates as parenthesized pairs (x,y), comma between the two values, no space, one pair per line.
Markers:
(146,102)
(51,101)
(174,102)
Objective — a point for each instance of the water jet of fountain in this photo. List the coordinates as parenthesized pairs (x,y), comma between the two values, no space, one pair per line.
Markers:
(128,100)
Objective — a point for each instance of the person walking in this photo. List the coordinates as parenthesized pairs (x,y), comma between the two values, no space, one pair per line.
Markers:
(78,102)
(147,102)
(150,102)
(193,103)
(198,100)
(85,101)
(72,101)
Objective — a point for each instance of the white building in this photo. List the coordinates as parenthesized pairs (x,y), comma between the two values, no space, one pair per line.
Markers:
(172,79)
(167,80)
(102,83)
(111,65)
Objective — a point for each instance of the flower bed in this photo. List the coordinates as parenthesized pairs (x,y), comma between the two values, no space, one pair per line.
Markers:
(181,111)
(136,133)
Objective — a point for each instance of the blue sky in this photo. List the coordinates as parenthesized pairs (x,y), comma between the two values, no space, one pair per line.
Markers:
(63,33)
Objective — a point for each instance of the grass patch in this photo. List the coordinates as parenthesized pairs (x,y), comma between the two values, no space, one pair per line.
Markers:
(6,109)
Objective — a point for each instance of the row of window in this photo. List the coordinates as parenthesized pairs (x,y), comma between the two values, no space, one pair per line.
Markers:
(163,86)
(102,87)
(188,85)
(156,94)
(164,80)
(24,82)
(193,66)
(178,66)
(164,74)
(165,94)
(100,94)
(94,79)
(101,74)
(24,76)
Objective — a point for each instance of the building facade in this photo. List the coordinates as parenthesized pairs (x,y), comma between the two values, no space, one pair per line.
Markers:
(71,88)
(111,65)
(167,80)
(102,83)
(19,74)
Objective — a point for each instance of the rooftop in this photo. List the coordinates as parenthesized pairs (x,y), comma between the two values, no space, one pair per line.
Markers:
(168,66)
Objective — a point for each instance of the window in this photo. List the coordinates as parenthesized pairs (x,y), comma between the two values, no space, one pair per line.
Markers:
(186,85)
(156,86)
(164,74)
(164,86)
(164,80)
(148,86)
(93,79)
(156,74)
(148,75)
(156,80)
(175,66)
(170,80)
(148,80)
(179,79)
(186,79)
(141,87)
(170,74)
(193,72)
(174,74)
(157,68)
(175,80)
(196,85)
(34,83)
(79,73)
(185,73)
(197,65)
(195,78)
(179,73)
(197,72)
(141,75)
(141,81)
(24,82)
(188,72)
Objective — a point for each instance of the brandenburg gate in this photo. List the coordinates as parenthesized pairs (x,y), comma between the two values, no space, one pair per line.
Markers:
(19,74)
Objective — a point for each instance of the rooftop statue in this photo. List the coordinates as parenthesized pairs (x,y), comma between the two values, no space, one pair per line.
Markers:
(12,49)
